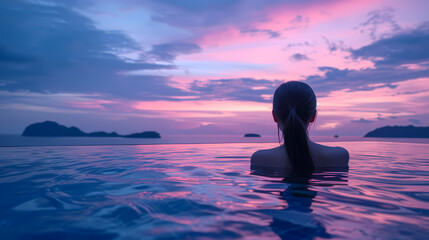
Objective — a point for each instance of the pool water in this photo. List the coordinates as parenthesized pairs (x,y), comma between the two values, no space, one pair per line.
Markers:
(206,191)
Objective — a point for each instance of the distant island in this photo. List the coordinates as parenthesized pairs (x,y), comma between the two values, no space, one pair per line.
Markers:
(149,134)
(400,132)
(251,135)
(53,129)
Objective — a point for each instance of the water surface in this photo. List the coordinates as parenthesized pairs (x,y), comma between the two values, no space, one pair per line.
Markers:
(10,140)
(193,191)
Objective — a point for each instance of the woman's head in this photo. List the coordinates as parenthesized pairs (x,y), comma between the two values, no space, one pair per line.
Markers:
(294,106)
(294,95)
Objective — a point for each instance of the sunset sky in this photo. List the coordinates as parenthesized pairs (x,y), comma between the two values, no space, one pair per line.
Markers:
(211,67)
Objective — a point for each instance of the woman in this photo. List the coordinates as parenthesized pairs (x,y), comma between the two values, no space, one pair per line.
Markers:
(294,107)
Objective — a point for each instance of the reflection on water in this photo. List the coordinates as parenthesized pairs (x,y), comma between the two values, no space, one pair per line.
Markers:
(207,191)
(295,220)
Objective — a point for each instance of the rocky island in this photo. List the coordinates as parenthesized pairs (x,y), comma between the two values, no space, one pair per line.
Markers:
(148,134)
(53,129)
(400,132)
(252,135)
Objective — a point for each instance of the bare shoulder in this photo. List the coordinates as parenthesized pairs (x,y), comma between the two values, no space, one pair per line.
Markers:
(273,157)
(341,154)
(259,157)
(332,156)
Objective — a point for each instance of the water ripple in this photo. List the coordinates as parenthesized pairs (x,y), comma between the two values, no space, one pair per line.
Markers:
(193,192)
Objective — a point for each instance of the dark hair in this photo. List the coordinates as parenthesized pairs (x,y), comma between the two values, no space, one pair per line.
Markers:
(294,103)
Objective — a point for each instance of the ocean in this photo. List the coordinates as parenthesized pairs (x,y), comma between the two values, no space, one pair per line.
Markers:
(184,190)
(11,140)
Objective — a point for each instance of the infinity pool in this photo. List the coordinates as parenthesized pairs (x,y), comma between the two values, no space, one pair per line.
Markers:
(205,191)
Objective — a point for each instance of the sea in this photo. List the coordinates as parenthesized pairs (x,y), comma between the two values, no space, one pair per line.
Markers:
(201,187)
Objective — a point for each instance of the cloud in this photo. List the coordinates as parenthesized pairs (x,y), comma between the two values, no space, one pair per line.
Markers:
(334,46)
(169,51)
(190,14)
(408,46)
(413,92)
(389,55)
(240,89)
(415,121)
(194,14)
(300,19)
(298,22)
(51,48)
(379,24)
(290,45)
(297,57)
(254,31)
(362,120)
(361,80)
(7,56)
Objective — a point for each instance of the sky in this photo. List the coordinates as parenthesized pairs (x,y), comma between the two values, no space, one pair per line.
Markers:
(211,67)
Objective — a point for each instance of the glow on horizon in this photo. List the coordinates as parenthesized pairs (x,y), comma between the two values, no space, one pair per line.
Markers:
(221,106)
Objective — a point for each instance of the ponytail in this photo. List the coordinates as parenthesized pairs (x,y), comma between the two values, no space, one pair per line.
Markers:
(294,104)
(296,143)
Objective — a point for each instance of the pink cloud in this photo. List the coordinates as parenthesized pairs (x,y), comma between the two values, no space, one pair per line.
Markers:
(222,106)
(93,104)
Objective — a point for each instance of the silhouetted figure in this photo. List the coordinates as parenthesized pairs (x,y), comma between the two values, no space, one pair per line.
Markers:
(294,108)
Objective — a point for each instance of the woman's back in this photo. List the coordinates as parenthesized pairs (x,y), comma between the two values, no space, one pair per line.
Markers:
(322,156)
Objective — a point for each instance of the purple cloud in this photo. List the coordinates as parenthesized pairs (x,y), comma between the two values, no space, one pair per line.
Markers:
(410,46)
(241,89)
(254,31)
(169,51)
(298,22)
(378,19)
(388,54)
(52,48)
(415,121)
(362,120)
(299,57)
